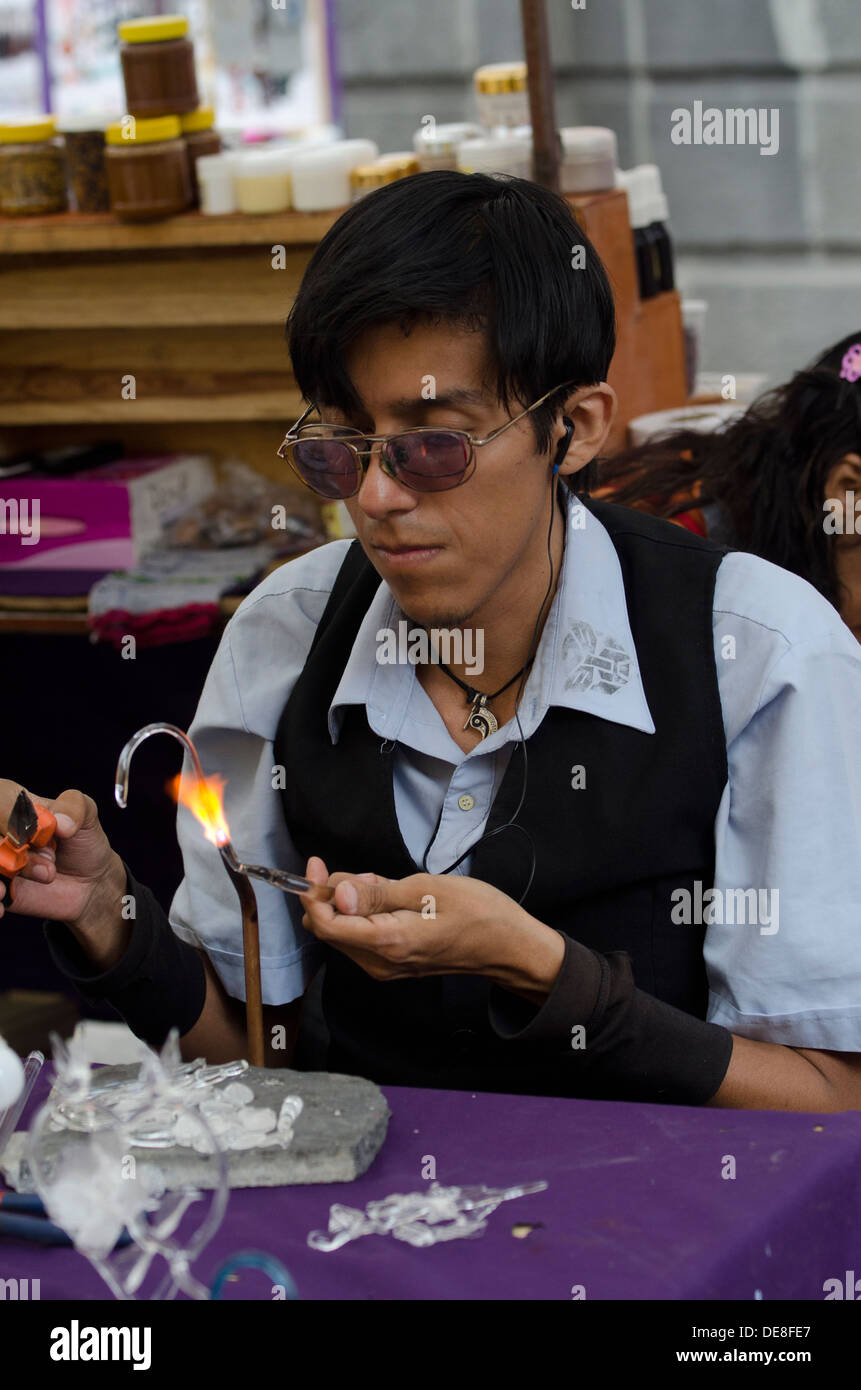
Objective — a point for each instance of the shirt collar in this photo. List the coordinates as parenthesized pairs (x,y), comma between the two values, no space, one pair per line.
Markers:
(586,658)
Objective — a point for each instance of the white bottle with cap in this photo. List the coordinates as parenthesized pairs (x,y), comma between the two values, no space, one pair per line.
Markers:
(640,203)
(657,213)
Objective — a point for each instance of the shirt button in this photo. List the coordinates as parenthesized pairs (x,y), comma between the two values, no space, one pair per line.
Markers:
(466,802)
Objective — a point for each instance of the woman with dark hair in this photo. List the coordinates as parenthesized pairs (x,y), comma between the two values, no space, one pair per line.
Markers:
(780,481)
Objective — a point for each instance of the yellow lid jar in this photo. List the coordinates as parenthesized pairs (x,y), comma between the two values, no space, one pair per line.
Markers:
(201,139)
(501,94)
(32,170)
(147,168)
(157,58)
(388,168)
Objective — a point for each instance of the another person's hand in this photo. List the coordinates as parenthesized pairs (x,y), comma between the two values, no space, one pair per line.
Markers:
(434,924)
(78,864)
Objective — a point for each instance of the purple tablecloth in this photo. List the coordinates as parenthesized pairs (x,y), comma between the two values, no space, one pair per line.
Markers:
(636,1208)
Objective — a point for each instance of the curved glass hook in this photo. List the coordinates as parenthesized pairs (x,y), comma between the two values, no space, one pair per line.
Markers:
(280,878)
(121,776)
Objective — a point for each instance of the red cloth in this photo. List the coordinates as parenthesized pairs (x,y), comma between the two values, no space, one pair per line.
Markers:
(158,628)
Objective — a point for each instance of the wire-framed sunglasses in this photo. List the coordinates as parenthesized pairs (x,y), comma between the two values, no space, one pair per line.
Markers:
(332,459)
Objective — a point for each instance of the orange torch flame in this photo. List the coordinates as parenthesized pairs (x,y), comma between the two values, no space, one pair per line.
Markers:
(205,801)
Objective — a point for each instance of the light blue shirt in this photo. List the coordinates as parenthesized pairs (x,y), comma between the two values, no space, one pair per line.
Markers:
(783,963)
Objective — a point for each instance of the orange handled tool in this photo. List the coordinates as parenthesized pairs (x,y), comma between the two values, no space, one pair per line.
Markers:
(30,826)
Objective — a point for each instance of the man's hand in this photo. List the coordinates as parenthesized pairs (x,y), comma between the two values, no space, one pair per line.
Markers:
(77,878)
(434,924)
(61,879)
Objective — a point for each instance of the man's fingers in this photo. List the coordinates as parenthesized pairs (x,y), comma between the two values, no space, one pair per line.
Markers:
(72,809)
(316,871)
(357,896)
(42,870)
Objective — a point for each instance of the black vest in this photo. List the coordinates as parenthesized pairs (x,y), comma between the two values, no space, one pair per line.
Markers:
(608,855)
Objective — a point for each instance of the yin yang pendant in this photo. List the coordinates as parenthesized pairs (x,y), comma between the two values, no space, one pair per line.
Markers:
(481,718)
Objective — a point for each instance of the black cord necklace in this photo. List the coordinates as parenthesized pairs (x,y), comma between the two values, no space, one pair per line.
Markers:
(481,717)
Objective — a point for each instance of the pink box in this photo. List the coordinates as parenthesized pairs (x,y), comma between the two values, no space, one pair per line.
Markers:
(99,520)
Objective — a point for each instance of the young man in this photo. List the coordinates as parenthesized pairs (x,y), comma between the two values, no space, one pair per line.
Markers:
(616,855)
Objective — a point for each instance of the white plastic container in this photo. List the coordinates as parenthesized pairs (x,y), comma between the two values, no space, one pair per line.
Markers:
(437,146)
(589,154)
(216,183)
(321,177)
(503,152)
(501,94)
(262,180)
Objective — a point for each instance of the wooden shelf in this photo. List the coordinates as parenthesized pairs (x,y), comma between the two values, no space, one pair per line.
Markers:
(160,409)
(81,232)
(194,309)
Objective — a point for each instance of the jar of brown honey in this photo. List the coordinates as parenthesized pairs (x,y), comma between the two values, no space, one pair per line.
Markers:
(147,169)
(32,173)
(158,66)
(200,139)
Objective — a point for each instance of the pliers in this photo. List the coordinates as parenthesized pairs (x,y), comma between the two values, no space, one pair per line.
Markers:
(30,826)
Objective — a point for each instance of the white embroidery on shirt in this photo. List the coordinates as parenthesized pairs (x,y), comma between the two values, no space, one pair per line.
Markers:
(599,662)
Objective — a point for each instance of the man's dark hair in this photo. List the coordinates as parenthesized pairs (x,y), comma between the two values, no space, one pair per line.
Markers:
(491,253)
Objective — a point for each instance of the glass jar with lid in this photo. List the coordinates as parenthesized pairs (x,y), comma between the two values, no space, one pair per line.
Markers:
(501,94)
(86,176)
(147,167)
(436,145)
(158,66)
(32,169)
(201,139)
(386,169)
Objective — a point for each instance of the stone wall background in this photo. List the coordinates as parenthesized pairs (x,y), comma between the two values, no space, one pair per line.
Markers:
(772,242)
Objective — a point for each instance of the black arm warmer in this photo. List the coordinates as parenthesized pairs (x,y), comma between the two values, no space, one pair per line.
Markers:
(158,984)
(636,1047)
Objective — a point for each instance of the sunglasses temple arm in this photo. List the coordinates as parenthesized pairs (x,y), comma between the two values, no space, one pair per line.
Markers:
(302,418)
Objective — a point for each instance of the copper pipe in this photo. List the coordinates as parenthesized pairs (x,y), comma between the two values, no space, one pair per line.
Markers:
(247,900)
(251,953)
(546,142)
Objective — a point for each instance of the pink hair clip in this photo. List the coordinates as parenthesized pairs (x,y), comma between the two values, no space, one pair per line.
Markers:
(850,369)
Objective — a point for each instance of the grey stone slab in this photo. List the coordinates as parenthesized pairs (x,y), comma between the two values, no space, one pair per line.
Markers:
(772,314)
(734,33)
(340,1131)
(731,195)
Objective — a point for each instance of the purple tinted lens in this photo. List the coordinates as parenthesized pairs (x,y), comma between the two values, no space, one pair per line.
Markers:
(328,467)
(429,461)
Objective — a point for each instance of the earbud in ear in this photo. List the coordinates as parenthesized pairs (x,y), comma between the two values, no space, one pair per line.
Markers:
(563,444)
